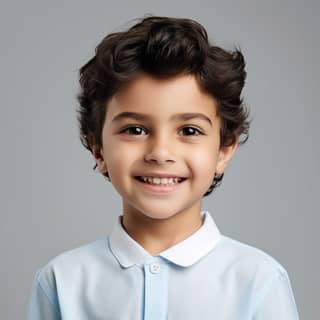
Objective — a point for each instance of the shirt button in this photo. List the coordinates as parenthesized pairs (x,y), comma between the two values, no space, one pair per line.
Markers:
(154,267)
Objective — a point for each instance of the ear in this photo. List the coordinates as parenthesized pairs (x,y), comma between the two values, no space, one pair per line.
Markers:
(225,155)
(98,155)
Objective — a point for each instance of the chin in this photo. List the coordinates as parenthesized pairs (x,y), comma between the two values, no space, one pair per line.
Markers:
(158,216)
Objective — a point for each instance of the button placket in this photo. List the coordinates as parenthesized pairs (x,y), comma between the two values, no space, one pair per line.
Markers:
(156,290)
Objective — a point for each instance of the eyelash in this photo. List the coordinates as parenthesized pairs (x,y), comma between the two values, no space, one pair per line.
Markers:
(193,128)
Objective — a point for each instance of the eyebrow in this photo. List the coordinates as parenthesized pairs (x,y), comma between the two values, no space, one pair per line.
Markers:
(144,117)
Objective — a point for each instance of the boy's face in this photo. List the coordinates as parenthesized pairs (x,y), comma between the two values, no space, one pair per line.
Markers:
(162,143)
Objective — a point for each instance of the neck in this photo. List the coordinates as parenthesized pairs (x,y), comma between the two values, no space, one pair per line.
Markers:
(157,235)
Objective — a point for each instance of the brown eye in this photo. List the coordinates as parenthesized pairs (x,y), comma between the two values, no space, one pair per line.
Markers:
(191,131)
(133,130)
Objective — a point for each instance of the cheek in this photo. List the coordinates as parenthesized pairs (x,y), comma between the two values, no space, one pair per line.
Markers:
(120,156)
(117,155)
(206,157)
(204,163)
(118,162)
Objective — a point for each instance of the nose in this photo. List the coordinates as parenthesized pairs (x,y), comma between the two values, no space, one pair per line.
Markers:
(160,150)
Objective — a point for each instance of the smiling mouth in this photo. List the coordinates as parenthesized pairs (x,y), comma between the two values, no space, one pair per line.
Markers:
(160,181)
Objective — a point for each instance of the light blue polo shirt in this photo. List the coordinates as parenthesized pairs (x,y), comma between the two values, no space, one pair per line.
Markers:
(206,276)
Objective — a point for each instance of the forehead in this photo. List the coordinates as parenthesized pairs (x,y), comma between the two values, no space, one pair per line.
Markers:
(162,97)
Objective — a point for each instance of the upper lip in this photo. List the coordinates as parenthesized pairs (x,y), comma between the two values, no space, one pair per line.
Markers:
(160,175)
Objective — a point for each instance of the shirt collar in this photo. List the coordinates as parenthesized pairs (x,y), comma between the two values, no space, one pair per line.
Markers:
(185,253)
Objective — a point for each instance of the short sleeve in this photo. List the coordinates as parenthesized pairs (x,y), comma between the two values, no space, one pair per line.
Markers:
(276,300)
(41,305)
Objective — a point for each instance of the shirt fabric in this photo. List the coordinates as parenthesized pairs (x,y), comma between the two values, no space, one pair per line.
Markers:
(205,276)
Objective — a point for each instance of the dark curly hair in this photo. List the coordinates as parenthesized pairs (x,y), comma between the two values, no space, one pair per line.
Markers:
(162,47)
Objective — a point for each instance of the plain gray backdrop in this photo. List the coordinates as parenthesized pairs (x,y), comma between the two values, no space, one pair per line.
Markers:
(52,200)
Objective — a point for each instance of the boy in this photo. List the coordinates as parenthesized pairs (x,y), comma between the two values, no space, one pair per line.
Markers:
(161,112)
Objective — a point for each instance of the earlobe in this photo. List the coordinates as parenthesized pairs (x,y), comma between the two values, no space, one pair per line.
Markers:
(101,166)
(225,155)
(97,153)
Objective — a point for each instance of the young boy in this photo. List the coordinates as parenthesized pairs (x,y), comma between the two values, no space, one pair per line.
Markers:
(161,112)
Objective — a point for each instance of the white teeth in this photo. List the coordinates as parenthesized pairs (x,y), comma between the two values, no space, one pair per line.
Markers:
(164,181)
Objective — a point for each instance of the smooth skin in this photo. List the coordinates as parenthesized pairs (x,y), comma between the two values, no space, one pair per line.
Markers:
(162,144)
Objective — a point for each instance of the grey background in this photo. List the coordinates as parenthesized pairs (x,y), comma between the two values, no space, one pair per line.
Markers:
(52,200)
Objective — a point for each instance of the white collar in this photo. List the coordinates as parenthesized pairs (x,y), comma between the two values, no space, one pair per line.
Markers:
(185,253)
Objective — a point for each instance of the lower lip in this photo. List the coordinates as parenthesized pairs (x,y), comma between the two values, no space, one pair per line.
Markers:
(157,188)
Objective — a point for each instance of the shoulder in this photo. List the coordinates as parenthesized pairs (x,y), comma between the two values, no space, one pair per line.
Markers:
(259,277)
(72,263)
(247,262)
(80,255)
